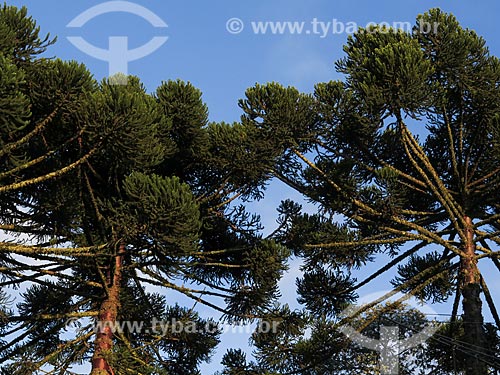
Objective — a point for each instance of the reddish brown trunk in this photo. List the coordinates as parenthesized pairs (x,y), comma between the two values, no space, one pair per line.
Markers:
(107,318)
(472,305)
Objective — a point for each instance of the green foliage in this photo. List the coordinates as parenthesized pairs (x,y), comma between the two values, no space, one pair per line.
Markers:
(312,345)
(256,286)
(386,69)
(40,128)
(450,350)
(184,110)
(439,290)
(13,103)
(184,338)
(325,293)
(235,156)
(132,119)
(5,313)
(235,363)
(322,231)
(282,116)
(20,35)
(162,212)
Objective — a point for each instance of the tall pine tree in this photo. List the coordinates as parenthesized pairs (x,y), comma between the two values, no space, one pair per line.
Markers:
(401,159)
(142,196)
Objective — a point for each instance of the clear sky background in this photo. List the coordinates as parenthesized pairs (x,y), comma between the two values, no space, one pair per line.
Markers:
(222,65)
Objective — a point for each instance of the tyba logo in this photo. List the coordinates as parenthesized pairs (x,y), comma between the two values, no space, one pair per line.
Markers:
(390,345)
(118,54)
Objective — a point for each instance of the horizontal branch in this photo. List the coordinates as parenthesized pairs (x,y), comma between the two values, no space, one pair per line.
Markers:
(363,242)
(90,251)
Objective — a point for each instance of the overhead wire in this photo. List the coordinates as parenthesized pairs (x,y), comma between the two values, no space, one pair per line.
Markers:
(466,348)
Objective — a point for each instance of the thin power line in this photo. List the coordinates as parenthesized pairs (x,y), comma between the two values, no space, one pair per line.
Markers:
(462,346)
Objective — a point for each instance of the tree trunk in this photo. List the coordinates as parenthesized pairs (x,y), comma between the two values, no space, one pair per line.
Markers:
(472,305)
(107,318)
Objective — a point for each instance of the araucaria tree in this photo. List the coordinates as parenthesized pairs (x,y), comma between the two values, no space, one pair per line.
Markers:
(119,191)
(107,190)
(403,159)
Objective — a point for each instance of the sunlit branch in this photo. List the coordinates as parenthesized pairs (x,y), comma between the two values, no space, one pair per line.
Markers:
(8,247)
(363,242)
(37,129)
(48,176)
(40,158)
(446,200)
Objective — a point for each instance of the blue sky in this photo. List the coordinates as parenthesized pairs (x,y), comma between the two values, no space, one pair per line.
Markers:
(223,65)
(201,50)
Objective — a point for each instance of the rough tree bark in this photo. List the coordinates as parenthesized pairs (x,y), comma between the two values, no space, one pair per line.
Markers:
(107,318)
(472,305)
